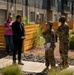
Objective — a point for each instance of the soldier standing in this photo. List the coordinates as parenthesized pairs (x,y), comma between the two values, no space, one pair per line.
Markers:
(63,33)
(49,45)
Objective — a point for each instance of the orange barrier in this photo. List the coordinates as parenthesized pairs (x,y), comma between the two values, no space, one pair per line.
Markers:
(70,23)
(28,42)
(2,40)
(55,25)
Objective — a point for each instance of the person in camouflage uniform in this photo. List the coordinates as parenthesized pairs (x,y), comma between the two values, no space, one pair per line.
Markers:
(63,33)
(48,35)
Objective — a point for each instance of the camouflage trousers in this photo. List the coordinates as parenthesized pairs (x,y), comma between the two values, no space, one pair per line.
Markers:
(64,48)
(49,58)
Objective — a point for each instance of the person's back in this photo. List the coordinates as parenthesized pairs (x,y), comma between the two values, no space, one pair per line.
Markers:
(63,32)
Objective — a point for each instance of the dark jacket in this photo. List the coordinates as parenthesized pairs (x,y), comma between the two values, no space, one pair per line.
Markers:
(18,30)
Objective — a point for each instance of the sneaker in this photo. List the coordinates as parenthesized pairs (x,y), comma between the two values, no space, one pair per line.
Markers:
(20,63)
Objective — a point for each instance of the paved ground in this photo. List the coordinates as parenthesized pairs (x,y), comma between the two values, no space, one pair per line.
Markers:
(29,66)
(32,66)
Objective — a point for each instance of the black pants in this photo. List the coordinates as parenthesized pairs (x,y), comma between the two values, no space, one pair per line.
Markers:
(17,48)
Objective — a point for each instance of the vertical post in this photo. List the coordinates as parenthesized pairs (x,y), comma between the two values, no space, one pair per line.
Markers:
(7,8)
(15,8)
(26,1)
(35,9)
(22,8)
(72,12)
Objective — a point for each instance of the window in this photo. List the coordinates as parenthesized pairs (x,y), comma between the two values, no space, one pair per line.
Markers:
(53,2)
(19,1)
(55,16)
(19,12)
(3,16)
(31,2)
(41,17)
(24,1)
(65,2)
(4,0)
(32,16)
(69,4)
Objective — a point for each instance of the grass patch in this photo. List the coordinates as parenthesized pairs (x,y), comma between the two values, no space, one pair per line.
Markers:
(71,57)
(12,70)
(58,72)
(42,41)
(72,42)
(36,37)
(72,32)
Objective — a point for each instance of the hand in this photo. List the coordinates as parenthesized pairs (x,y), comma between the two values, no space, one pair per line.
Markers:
(23,37)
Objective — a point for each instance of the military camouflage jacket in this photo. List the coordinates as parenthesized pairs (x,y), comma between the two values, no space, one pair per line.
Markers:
(63,33)
(49,36)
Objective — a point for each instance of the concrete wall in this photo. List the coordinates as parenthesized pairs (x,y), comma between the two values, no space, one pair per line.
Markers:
(52,15)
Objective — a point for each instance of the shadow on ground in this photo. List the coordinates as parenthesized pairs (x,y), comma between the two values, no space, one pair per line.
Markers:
(3,55)
(35,73)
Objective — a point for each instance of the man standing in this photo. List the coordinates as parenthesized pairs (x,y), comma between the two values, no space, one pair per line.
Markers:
(63,33)
(18,37)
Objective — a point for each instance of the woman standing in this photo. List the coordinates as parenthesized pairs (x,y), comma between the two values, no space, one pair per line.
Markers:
(49,45)
(8,35)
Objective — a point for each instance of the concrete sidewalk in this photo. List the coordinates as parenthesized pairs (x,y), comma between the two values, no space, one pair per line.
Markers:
(29,66)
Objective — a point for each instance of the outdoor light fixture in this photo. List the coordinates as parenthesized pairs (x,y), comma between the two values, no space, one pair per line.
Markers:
(12,9)
(37,13)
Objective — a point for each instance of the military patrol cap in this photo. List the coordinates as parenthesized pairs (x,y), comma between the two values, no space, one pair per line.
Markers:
(62,19)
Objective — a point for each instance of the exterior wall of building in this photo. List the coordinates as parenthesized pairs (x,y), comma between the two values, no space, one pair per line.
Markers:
(52,16)
(45,10)
(37,11)
(22,9)
(6,8)
(3,11)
